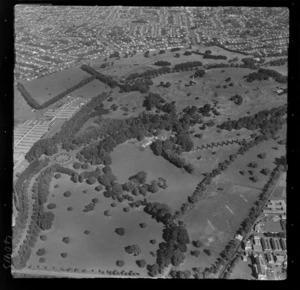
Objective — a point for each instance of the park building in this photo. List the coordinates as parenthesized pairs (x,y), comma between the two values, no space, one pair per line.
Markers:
(265,243)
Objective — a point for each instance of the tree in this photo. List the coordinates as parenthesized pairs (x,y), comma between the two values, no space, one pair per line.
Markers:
(141,263)
(66,240)
(120,263)
(143,225)
(41,252)
(51,206)
(153,270)
(153,187)
(64,255)
(197,243)
(76,165)
(120,231)
(67,194)
(207,252)
(265,171)
(99,188)
(57,175)
(262,155)
(153,241)
(133,249)
(195,253)
(91,180)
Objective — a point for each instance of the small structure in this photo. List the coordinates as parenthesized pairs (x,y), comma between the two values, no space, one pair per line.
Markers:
(248,246)
(239,237)
(270,259)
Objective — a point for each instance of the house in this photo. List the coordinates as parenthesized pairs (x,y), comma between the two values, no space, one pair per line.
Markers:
(239,237)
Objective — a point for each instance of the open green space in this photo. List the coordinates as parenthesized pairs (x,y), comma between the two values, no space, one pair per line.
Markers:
(101,246)
(128,159)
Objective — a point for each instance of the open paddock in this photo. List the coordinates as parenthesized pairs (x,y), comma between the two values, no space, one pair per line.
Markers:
(128,159)
(93,242)
(214,222)
(47,87)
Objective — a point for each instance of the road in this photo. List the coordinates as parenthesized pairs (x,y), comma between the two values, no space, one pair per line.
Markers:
(247,235)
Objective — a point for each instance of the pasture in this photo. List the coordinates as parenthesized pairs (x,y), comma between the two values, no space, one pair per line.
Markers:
(93,243)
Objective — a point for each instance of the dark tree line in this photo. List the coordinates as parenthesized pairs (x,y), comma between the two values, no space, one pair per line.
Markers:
(211,56)
(162,63)
(265,74)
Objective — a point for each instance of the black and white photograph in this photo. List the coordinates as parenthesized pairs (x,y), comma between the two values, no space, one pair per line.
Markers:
(149,142)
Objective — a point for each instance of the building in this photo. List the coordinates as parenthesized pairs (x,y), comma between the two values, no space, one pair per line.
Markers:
(260,267)
(257,247)
(265,244)
(283,244)
(247,245)
(269,258)
(279,259)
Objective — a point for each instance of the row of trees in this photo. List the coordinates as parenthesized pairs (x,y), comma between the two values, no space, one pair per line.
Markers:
(211,56)
(67,133)
(35,105)
(162,63)
(187,65)
(172,250)
(268,121)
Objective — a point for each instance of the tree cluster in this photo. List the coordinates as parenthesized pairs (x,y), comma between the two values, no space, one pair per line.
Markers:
(162,63)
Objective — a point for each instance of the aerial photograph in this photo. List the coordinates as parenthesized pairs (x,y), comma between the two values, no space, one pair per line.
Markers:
(150,142)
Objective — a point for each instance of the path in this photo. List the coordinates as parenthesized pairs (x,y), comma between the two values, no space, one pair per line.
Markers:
(244,198)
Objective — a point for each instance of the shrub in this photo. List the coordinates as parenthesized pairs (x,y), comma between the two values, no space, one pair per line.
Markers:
(56,186)
(42,260)
(86,232)
(262,155)
(67,194)
(41,252)
(70,208)
(113,204)
(57,175)
(153,241)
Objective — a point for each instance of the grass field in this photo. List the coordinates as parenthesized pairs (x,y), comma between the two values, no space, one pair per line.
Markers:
(102,247)
(127,160)
(232,173)
(243,270)
(214,221)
